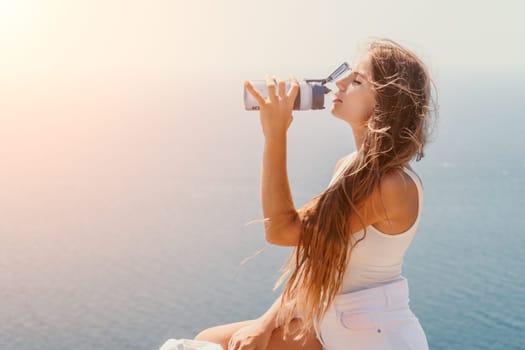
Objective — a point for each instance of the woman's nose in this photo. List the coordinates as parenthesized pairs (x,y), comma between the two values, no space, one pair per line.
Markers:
(341,85)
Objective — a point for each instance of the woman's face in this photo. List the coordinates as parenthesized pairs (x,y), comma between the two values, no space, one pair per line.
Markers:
(355,99)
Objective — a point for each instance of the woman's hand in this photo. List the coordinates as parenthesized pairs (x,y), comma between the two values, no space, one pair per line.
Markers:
(276,109)
(254,336)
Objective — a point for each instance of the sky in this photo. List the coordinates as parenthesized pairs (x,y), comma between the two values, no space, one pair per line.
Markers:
(107,79)
(59,38)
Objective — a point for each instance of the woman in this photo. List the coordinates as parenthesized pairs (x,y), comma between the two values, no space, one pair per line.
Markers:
(345,288)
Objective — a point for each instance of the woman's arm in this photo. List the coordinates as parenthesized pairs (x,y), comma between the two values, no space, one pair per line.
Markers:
(282,224)
(268,319)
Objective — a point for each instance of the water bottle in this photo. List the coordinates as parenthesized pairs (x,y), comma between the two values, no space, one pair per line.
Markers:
(309,97)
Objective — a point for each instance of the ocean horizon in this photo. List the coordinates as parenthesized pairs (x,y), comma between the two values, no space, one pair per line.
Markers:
(125,208)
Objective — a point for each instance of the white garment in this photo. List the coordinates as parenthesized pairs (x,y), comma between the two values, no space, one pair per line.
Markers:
(378,258)
(189,344)
(377,318)
(372,311)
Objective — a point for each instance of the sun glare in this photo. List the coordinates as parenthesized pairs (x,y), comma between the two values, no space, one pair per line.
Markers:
(16,16)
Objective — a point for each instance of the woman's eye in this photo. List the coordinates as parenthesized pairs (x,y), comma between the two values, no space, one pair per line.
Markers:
(358,82)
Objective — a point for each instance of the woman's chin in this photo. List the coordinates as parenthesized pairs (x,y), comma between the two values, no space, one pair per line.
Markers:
(333,110)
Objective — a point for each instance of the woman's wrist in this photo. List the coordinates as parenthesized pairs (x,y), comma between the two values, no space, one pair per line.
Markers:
(275,138)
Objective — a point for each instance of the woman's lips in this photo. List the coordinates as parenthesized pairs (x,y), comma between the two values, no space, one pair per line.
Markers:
(336,100)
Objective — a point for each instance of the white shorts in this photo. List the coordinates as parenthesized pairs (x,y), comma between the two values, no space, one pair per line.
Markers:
(376,318)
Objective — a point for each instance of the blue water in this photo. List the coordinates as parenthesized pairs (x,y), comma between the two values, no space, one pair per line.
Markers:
(122,228)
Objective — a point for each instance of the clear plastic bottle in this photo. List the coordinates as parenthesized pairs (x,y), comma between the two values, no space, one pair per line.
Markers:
(310,96)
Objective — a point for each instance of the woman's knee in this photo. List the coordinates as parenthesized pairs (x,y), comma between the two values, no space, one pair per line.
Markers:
(221,335)
(277,341)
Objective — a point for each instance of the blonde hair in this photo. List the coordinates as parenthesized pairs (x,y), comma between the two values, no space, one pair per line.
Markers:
(397,130)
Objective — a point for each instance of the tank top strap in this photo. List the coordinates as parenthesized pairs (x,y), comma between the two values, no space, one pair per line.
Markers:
(419,185)
(414,176)
(411,230)
(343,165)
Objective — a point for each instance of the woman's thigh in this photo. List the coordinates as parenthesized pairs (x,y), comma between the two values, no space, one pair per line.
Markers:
(221,334)
(373,330)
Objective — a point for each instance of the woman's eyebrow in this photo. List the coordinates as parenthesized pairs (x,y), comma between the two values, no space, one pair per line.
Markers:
(355,73)
(361,74)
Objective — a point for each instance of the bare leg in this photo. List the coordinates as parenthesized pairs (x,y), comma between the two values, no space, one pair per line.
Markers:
(221,334)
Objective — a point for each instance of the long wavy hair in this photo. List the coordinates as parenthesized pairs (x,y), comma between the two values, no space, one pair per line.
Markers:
(397,131)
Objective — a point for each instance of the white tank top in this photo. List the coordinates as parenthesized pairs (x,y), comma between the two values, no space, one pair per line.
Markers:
(378,258)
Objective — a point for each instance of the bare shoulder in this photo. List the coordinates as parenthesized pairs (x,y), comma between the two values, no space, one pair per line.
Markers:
(341,161)
(338,164)
(396,199)
(396,181)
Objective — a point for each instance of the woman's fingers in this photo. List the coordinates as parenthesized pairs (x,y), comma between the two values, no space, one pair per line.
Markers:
(255,93)
(294,89)
(282,88)
(270,84)
(274,95)
(231,344)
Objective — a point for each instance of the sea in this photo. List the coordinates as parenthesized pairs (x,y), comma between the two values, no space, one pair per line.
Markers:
(129,208)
